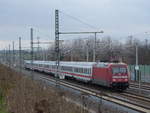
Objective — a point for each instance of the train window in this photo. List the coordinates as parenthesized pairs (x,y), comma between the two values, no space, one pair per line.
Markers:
(86,71)
(82,70)
(53,67)
(119,70)
(123,70)
(76,70)
(62,68)
(66,68)
(79,70)
(40,65)
(89,71)
(116,70)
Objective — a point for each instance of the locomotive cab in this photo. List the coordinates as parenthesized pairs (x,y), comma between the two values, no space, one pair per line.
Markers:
(113,75)
(120,76)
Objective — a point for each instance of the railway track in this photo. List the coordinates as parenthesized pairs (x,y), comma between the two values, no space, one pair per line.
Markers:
(139,97)
(144,87)
(111,97)
(107,97)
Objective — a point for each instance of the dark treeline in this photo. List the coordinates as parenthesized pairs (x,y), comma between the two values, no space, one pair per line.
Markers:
(106,49)
(82,50)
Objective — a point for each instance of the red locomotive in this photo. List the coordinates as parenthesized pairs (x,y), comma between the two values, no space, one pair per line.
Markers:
(115,75)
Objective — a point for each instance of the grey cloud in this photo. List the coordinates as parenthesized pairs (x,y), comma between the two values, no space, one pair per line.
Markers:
(115,17)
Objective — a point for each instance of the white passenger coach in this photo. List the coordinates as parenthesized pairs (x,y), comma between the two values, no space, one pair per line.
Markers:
(77,70)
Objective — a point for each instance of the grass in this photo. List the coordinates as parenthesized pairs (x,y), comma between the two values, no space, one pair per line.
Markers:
(2,104)
(24,95)
(20,94)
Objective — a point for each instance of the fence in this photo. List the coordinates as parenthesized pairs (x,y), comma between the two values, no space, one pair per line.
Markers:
(144,70)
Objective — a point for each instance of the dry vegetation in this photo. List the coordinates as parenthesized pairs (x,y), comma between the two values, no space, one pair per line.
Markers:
(23,95)
(26,96)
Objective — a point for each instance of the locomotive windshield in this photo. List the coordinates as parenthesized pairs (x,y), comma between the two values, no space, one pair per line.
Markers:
(116,70)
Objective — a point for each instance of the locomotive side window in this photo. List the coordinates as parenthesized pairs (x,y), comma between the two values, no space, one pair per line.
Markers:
(116,70)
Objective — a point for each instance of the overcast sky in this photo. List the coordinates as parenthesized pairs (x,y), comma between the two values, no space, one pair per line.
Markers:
(118,18)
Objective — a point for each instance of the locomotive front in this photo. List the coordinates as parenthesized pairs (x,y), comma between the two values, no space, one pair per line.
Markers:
(120,76)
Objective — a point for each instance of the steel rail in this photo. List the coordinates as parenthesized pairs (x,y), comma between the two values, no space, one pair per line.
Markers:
(122,102)
(104,96)
(146,87)
(139,97)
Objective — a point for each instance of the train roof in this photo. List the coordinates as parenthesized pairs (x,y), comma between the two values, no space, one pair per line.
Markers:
(75,64)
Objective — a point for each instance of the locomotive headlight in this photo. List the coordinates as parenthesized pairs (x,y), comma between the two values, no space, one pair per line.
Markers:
(114,80)
(126,79)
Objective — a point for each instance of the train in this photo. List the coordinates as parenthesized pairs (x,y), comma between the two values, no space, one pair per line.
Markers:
(109,74)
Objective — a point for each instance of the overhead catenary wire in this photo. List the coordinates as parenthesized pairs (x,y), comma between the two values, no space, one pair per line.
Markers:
(79,20)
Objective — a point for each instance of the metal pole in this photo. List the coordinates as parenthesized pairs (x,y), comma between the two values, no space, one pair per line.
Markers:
(87,52)
(5,56)
(42,54)
(20,60)
(136,77)
(57,52)
(71,55)
(13,54)
(71,52)
(138,73)
(94,49)
(9,60)
(38,42)
(31,36)
(139,81)
(1,57)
